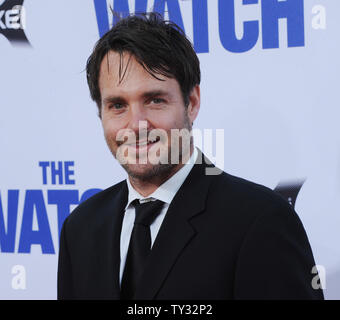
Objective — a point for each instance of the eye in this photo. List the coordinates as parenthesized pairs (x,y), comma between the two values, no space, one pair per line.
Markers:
(116,106)
(157,100)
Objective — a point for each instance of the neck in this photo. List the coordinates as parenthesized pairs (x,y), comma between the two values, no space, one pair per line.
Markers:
(145,188)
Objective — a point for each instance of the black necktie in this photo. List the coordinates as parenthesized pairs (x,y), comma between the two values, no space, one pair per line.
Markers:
(140,245)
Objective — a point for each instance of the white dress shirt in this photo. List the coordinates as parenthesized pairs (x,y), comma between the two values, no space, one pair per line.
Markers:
(165,192)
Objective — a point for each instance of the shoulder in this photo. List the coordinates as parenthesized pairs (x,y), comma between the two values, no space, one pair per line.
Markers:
(237,188)
(229,191)
(256,212)
(246,199)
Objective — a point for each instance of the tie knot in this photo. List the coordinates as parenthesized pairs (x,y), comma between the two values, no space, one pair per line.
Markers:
(147,212)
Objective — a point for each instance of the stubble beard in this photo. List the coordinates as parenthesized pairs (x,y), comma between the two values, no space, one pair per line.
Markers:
(158,171)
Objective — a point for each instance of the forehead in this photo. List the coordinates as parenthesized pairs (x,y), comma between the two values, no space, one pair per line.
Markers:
(119,73)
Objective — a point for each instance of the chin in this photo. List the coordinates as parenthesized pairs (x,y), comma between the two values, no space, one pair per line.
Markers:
(145,172)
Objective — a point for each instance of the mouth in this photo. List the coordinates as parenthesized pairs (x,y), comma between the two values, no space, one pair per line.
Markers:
(143,144)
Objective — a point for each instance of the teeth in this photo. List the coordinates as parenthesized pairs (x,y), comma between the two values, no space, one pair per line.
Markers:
(144,143)
(154,140)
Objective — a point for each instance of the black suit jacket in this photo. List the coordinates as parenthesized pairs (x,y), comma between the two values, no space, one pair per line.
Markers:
(222,238)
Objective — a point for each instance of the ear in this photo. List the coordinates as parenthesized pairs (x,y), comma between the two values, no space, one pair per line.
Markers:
(194,103)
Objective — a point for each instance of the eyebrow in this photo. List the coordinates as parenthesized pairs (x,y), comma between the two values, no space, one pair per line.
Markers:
(145,95)
(113,99)
(155,93)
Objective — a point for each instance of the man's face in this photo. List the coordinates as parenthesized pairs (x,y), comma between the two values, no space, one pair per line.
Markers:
(138,105)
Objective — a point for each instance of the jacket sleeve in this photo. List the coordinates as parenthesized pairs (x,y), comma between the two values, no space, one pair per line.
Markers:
(64,290)
(276,260)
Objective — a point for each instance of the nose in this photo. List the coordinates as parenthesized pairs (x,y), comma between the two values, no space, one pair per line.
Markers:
(138,118)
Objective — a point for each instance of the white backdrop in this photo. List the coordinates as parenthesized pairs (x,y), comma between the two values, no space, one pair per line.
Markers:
(275,94)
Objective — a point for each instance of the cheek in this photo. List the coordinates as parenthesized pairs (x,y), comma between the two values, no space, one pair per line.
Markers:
(171,120)
(110,131)
(182,120)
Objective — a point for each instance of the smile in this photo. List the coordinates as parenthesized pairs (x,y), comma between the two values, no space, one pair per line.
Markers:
(140,144)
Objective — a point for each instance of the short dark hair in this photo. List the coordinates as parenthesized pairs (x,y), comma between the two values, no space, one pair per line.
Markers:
(160,46)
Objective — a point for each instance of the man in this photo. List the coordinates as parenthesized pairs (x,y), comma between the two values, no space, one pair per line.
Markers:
(207,236)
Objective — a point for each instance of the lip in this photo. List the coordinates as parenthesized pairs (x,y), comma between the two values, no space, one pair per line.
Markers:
(142,145)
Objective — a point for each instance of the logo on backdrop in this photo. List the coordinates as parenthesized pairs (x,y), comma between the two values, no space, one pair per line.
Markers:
(12,21)
(36,203)
(290,190)
(33,225)
(267,25)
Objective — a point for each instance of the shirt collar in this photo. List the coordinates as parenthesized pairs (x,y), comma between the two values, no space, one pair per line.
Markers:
(167,191)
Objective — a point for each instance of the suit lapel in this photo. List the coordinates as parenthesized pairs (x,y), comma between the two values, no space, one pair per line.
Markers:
(175,232)
(107,261)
